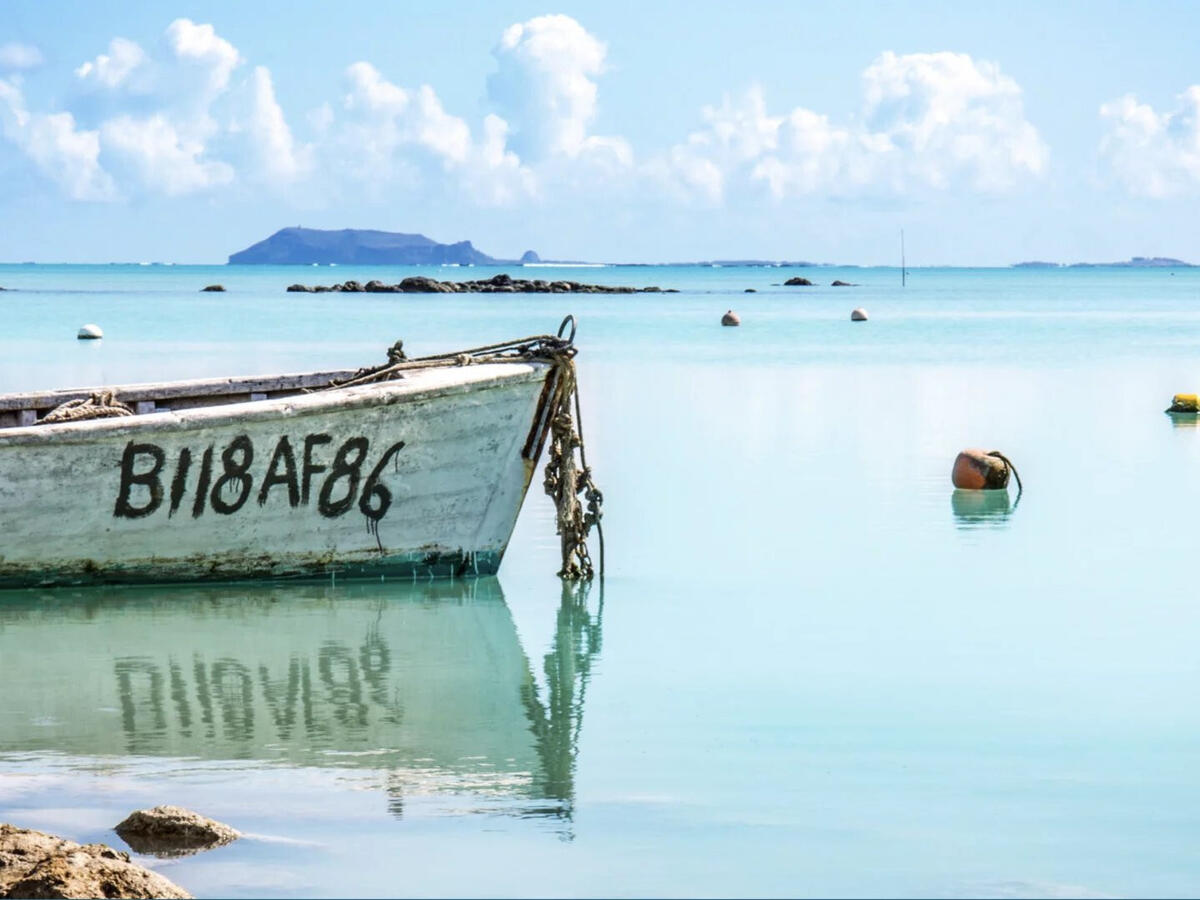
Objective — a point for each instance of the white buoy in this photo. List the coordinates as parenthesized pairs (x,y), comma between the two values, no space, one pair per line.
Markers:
(90,332)
(858,315)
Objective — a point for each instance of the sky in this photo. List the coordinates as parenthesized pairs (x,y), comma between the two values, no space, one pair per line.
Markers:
(612,131)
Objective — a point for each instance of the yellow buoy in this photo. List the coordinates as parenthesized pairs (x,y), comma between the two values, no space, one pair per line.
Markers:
(1184,403)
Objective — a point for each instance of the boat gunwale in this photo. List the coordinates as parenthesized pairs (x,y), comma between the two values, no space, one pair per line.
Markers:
(414,386)
(187,387)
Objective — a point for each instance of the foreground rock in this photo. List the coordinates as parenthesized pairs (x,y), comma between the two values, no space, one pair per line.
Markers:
(173,831)
(497,284)
(36,864)
(798,282)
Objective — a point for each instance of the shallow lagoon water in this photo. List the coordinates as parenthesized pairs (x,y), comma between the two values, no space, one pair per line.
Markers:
(812,669)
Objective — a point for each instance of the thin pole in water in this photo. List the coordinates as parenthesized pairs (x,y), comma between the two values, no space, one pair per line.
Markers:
(903,268)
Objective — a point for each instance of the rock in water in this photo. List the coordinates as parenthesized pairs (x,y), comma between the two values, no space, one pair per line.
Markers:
(90,332)
(731,318)
(798,282)
(36,864)
(220,288)
(840,283)
(858,315)
(173,831)
(978,470)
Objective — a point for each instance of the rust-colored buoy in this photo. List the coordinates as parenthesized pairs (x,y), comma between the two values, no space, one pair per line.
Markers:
(982,470)
(730,318)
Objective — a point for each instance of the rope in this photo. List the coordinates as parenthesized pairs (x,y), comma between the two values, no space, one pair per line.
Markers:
(1008,462)
(102,405)
(566,480)
(540,346)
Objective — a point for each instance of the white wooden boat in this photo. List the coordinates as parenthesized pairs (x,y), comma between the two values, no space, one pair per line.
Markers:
(416,468)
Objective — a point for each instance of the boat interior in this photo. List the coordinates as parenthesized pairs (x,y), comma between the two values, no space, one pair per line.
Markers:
(21,409)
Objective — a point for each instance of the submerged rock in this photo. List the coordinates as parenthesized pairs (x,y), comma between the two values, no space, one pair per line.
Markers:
(840,283)
(173,831)
(798,282)
(213,288)
(36,864)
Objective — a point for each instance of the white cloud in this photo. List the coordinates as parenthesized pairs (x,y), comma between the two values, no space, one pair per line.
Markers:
(407,136)
(160,157)
(14,56)
(388,118)
(1153,154)
(114,68)
(59,150)
(199,47)
(930,120)
(952,116)
(279,158)
(545,88)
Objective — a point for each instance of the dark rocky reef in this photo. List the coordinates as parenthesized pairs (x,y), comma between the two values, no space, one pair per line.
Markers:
(798,282)
(840,283)
(497,284)
(217,288)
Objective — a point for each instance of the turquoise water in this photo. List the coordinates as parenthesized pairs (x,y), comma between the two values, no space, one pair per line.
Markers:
(812,670)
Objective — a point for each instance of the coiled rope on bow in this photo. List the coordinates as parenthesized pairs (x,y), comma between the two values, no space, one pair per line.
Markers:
(566,480)
(101,405)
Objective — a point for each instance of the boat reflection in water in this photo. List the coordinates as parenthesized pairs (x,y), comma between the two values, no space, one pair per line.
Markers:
(981,509)
(426,683)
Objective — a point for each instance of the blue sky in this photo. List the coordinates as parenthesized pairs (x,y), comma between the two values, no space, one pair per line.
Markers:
(612,131)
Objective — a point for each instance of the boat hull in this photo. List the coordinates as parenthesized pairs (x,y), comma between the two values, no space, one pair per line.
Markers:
(418,477)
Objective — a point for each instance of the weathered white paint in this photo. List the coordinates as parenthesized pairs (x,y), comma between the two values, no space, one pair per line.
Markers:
(457,484)
(90,332)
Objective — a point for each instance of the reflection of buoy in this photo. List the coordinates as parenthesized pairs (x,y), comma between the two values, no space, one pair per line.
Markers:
(974,508)
(982,470)
(90,333)
(858,315)
(1184,403)
(730,318)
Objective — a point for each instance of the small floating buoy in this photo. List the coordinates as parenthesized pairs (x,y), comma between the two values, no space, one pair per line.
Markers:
(1184,403)
(858,315)
(730,318)
(90,332)
(982,470)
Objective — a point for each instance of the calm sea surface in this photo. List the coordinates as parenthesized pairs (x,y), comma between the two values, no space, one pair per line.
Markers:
(812,669)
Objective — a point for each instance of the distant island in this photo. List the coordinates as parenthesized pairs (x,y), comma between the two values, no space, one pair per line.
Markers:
(1138,262)
(355,246)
